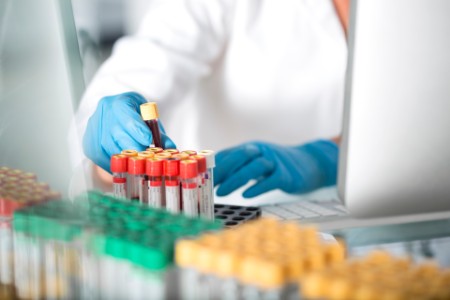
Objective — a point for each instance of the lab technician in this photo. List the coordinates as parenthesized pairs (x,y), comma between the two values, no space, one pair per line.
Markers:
(226,72)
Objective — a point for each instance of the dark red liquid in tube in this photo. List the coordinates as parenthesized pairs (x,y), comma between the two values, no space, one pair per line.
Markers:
(150,115)
(154,128)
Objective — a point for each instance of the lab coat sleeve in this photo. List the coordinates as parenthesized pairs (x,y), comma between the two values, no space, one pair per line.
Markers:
(176,45)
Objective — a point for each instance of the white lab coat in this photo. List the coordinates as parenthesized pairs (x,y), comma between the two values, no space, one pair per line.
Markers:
(228,71)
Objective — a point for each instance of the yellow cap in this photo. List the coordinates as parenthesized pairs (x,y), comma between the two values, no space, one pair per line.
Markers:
(227,262)
(186,253)
(146,154)
(149,111)
(129,152)
(163,155)
(155,149)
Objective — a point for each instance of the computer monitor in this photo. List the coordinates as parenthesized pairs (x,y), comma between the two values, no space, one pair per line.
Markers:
(395,156)
(41,80)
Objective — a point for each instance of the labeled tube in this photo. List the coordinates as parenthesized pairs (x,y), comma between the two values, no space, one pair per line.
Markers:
(150,115)
(129,153)
(171,170)
(154,171)
(189,186)
(206,204)
(136,172)
(209,176)
(119,167)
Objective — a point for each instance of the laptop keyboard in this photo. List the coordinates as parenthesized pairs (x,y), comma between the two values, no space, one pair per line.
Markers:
(306,210)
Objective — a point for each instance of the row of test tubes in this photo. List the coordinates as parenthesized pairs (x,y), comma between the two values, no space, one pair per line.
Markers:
(18,189)
(179,181)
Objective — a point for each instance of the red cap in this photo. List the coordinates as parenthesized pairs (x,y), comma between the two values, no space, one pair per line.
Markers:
(188,168)
(136,165)
(154,167)
(171,167)
(119,163)
(201,160)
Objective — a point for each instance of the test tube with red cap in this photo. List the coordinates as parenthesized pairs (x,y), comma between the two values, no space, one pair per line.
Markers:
(209,176)
(150,115)
(189,186)
(119,168)
(154,171)
(136,175)
(206,205)
(171,169)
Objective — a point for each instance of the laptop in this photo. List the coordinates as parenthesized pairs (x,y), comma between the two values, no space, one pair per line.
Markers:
(394,164)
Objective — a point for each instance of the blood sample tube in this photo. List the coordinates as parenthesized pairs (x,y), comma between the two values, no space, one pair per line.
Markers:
(171,170)
(189,186)
(136,172)
(206,205)
(209,178)
(189,152)
(150,115)
(154,171)
(181,156)
(119,167)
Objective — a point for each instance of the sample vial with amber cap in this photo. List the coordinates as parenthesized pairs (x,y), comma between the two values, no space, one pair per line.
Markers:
(150,115)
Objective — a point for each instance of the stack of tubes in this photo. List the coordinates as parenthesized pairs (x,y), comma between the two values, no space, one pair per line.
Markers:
(170,179)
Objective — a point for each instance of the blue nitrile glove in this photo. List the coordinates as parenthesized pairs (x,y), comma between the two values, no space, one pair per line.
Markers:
(293,170)
(117,125)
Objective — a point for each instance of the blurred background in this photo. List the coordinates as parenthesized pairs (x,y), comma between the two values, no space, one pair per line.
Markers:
(100,23)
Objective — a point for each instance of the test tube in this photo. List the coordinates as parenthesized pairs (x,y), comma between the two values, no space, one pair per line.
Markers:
(129,153)
(206,205)
(136,172)
(209,176)
(150,115)
(189,186)
(119,169)
(154,171)
(171,170)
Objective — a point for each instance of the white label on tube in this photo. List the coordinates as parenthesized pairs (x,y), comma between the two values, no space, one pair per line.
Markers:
(173,198)
(190,202)
(206,202)
(120,190)
(155,196)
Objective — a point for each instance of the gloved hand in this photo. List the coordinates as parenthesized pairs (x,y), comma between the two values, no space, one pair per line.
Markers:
(293,170)
(117,125)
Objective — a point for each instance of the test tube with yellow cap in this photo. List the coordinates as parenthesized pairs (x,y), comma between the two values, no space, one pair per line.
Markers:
(150,115)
